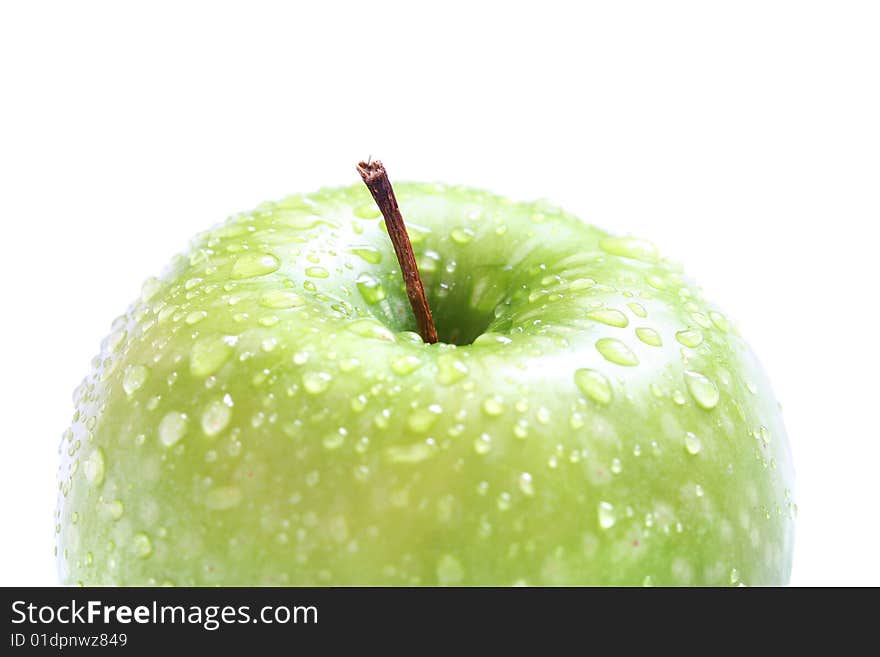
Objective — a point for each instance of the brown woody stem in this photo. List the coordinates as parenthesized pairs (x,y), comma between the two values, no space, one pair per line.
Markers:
(376,179)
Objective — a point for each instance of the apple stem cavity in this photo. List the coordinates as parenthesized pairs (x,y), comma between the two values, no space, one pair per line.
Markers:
(376,179)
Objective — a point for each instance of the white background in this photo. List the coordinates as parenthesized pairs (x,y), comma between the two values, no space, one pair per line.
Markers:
(741,137)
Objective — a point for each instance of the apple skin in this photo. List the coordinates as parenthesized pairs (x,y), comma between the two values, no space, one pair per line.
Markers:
(263,414)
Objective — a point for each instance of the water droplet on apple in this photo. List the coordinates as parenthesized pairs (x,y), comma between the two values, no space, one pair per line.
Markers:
(521,429)
(649,336)
(414,453)
(317,272)
(701,320)
(335,439)
(492,338)
(348,364)
(367,211)
(142,546)
(251,265)
(702,389)
(315,383)
(594,385)
(362,473)
(526,484)
(581,284)
(115,509)
(166,313)
(172,428)
(409,337)
(606,515)
(629,247)
(689,338)
(94,466)
(367,253)
(461,235)
(503,501)
(209,353)
(692,443)
(428,262)
(405,364)
(616,352)
(279,299)
(371,289)
(195,317)
(719,320)
(656,281)
(483,444)
(216,417)
(134,378)
(221,498)
(609,316)
(493,406)
(380,419)
(449,571)
(637,309)
(358,403)
(370,328)
(542,415)
(417,233)
(450,370)
(422,419)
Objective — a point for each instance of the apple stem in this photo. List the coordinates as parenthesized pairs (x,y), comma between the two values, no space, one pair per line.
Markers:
(376,179)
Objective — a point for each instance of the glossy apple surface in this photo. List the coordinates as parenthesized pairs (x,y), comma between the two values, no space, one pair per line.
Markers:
(263,414)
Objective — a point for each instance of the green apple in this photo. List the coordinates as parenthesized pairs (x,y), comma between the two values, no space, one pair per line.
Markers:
(265,414)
